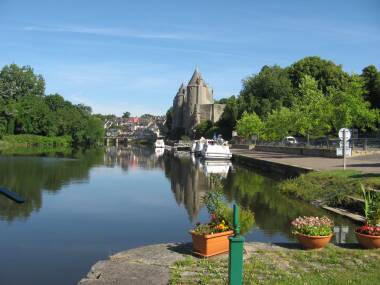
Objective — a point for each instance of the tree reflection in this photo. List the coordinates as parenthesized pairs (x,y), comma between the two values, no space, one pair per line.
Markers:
(30,176)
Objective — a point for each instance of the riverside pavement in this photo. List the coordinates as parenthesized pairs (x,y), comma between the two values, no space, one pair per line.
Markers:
(365,163)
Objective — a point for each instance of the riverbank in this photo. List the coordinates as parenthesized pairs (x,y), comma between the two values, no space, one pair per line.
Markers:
(9,141)
(264,264)
(293,165)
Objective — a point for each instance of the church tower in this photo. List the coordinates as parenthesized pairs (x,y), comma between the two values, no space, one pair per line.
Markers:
(178,103)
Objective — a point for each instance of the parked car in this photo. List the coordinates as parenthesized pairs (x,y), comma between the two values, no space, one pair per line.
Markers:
(290,140)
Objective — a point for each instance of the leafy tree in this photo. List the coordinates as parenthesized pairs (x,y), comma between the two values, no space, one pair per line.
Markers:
(310,109)
(126,115)
(326,72)
(227,121)
(371,78)
(268,90)
(16,82)
(279,124)
(169,119)
(249,124)
(347,107)
(204,129)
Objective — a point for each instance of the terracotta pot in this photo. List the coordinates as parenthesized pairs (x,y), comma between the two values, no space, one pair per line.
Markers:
(368,241)
(209,245)
(313,242)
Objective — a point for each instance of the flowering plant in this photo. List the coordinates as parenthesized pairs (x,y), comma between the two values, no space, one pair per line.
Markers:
(312,226)
(221,216)
(369,230)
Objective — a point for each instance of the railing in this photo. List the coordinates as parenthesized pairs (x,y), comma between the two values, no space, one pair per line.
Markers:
(364,144)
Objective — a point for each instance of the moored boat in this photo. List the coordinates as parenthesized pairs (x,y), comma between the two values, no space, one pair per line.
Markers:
(216,149)
(159,143)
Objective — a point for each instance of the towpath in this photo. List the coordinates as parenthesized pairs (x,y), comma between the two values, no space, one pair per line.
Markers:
(365,163)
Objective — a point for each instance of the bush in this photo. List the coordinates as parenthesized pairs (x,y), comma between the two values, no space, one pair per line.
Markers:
(34,140)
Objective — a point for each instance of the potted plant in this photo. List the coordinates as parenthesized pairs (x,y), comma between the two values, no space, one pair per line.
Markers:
(212,238)
(369,234)
(313,232)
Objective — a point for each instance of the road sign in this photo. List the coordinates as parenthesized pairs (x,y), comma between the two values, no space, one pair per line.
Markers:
(348,151)
(347,135)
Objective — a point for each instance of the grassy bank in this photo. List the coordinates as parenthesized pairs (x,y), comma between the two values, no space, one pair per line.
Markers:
(331,187)
(333,265)
(10,141)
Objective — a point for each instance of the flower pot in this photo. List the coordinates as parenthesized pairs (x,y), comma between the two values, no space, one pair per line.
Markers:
(368,241)
(313,242)
(209,245)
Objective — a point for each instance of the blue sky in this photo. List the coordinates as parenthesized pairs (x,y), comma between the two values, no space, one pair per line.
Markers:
(118,56)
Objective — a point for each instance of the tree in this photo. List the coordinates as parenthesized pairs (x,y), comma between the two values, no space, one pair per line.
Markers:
(268,90)
(348,108)
(227,121)
(310,109)
(126,115)
(372,85)
(16,82)
(203,129)
(249,124)
(325,72)
(279,124)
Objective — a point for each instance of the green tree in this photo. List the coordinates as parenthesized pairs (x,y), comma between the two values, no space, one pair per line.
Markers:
(126,115)
(371,78)
(326,72)
(270,89)
(310,109)
(227,121)
(348,108)
(279,124)
(16,82)
(249,124)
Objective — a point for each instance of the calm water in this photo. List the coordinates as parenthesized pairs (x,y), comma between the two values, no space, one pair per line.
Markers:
(84,208)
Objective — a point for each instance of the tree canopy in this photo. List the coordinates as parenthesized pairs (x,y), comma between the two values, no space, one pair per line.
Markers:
(25,109)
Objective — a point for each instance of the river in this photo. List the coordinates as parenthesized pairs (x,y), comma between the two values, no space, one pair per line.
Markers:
(84,206)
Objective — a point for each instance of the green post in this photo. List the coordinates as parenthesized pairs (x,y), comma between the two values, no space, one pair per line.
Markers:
(235,269)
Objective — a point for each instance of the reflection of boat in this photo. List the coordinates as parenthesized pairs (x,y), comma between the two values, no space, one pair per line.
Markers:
(159,143)
(159,151)
(217,167)
(216,149)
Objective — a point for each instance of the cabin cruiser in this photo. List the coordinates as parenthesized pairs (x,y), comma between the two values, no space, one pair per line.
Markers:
(159,143)
(198,146)
(216,149)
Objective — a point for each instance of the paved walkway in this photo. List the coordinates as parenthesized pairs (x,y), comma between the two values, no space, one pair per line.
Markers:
(366,163)
(151,264)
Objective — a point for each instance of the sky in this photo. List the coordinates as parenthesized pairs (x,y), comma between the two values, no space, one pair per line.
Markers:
(118,56)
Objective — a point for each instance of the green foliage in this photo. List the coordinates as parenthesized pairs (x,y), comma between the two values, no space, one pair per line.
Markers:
(347,107)
(312,226)
(279,124)
(249,124)
(325,72)
(227,121)
(331,187)
(371,77)
(126,115)
(205,129)
(34,140)
(24,109)
(222,214)
(270,89)
(371,206)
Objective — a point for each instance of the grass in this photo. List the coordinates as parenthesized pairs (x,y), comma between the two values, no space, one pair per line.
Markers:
(332,265)
(34,140)
(331,187)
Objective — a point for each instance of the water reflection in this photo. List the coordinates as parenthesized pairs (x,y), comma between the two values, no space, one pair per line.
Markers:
(190,178)
(31,176)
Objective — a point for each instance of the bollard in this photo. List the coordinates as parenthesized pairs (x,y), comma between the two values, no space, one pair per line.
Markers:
(235,266)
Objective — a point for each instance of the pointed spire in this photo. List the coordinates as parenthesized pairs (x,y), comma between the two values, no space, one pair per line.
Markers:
(196,77)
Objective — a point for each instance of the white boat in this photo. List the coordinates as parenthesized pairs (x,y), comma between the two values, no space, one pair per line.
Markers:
(159,143)
(198,146)
(216,149)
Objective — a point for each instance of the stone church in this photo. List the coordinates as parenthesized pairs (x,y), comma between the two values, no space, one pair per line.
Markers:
(194,104)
